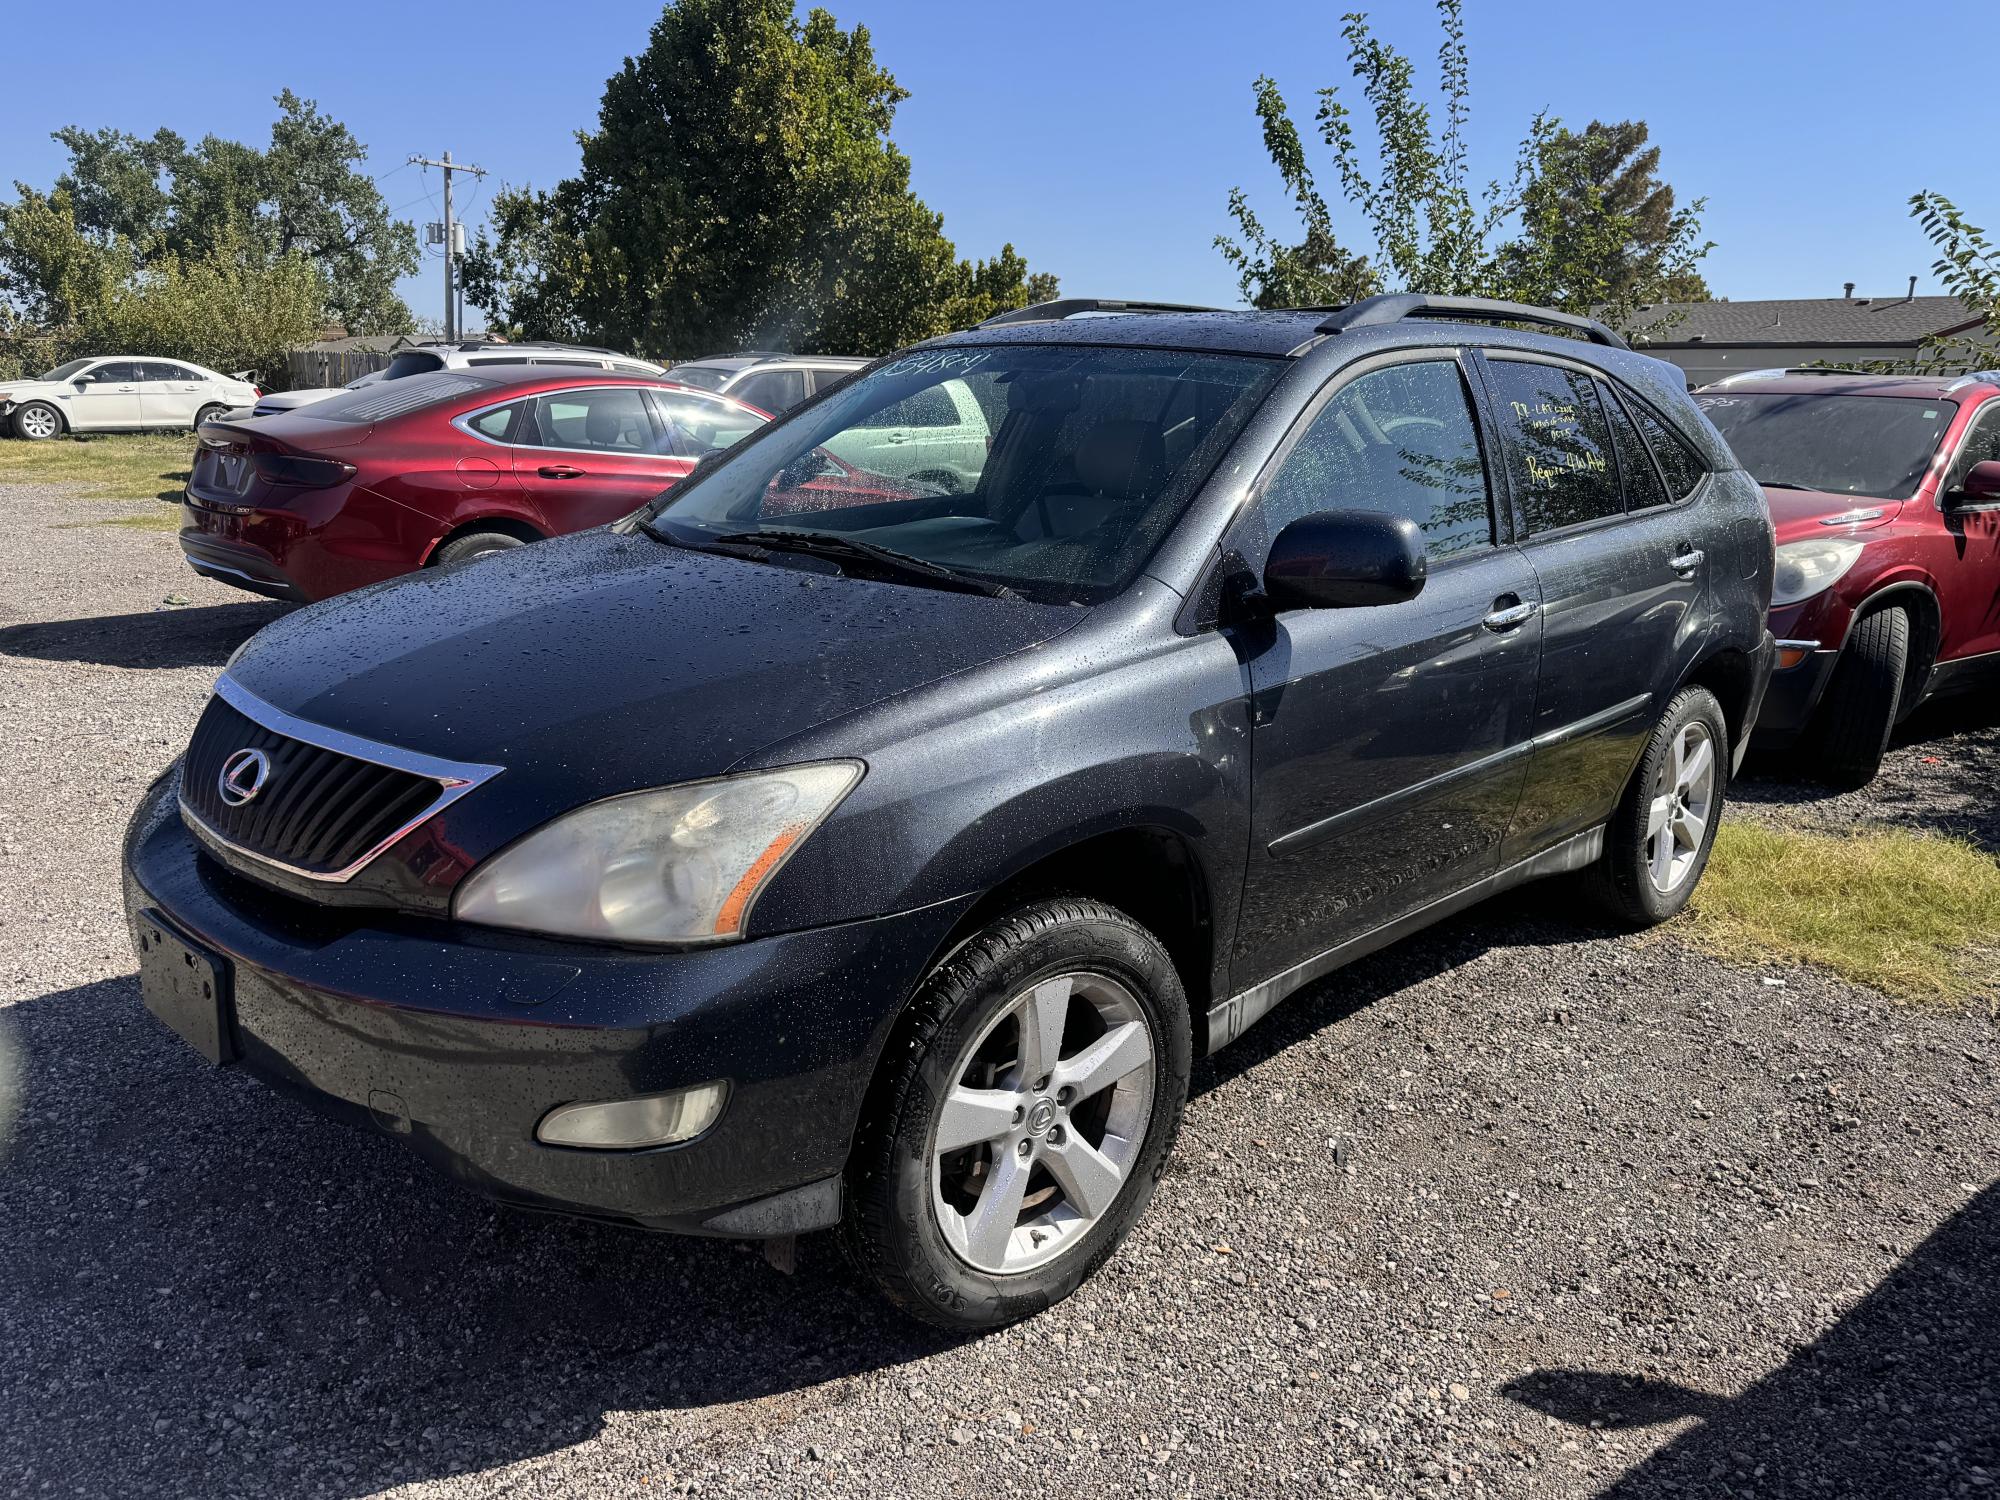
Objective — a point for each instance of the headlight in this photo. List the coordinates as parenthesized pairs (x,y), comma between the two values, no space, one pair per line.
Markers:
(683,864)
(1811,567)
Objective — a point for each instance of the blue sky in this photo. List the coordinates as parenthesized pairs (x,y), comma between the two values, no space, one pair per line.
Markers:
(1103,139)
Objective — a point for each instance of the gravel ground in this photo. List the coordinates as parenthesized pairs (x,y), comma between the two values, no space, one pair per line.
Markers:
(1515,1208)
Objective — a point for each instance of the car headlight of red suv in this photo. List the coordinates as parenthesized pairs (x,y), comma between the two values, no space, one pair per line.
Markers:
(1812,567)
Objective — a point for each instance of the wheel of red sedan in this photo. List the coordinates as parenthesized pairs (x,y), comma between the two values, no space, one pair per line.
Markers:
(1023,1116)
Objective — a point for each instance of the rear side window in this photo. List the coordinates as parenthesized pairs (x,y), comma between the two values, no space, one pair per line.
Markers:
(1682,469)
(1400,440)
(1643,490)
(1558,445)
(773,390)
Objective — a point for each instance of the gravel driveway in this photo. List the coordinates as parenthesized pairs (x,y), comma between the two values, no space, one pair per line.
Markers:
(1514,1208)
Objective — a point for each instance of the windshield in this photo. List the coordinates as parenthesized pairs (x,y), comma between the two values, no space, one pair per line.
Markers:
(1051,470)
(63,372)
(1878,446)
(708,377)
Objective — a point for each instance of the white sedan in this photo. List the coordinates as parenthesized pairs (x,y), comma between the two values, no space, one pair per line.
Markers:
(118,394)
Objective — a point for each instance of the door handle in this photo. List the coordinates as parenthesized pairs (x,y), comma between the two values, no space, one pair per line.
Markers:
(559,471)
(899,437)
(1687,563)
(1511,616)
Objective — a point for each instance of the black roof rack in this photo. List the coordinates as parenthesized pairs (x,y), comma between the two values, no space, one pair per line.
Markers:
(1069,307)
(1379,312)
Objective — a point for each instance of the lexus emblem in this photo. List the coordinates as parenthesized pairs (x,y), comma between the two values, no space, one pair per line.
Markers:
(243,776)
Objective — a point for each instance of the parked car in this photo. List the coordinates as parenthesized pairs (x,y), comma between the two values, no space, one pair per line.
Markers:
(744,870)
(118,394)
(773,382)
(937,437)
(466,354)
(1886,494)
(436,468)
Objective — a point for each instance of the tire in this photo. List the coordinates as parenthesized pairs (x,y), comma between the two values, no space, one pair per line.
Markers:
(475,544)
(213,409)
(915,1213)
(37,422)
(1657,842)
(1858,711)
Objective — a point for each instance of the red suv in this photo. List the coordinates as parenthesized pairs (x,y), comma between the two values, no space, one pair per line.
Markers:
(435,468)
(1885,493)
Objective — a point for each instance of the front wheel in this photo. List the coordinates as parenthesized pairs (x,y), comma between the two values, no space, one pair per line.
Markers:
(1658,840)
(1022,1116)
(475,544)
(1851,730)
(37,422)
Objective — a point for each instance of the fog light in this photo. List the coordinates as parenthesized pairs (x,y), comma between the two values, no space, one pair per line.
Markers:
(631,1124)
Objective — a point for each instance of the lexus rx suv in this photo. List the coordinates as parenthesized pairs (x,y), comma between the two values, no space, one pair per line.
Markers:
(752,867)
(1886,494)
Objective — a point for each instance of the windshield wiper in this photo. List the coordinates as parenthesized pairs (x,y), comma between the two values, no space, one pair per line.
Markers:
(883,560)
(1784,484)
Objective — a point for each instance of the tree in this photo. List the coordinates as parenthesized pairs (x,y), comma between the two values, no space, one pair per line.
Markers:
(142,201)
(1599,230)
(740,190)
(1969,266)
(1592,225)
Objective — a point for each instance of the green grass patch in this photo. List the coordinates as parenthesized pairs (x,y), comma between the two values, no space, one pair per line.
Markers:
(1913,916)
(115,466)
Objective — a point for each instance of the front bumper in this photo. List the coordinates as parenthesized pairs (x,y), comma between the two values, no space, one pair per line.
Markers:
(459,1040)
(1793,697)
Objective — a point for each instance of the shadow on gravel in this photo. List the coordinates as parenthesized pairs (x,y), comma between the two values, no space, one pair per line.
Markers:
(202,636)
(1901,1397)
(209,1290)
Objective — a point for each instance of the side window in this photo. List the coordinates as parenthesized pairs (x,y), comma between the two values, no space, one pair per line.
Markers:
(177,373)
(409,362)
(701,424)
(930,407)
(1560,450)
(1400,439)
(494,424)
(773,390)
(1682,469)
(1981,445)
(1643,490)
(613,420)
(118,372)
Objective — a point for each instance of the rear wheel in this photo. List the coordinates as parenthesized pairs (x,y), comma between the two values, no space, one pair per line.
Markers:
(1657,842)
(1022,1117)
(1858,711)
(37,422)
(209,412)
(475,544)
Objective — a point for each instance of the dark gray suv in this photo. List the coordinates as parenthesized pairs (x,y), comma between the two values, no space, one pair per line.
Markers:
(824,847)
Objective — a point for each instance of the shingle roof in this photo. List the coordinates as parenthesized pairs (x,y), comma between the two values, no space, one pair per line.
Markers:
(1800,320)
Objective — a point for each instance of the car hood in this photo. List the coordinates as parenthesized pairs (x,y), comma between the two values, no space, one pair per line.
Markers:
(23,390)
(1798,514)
(599,663)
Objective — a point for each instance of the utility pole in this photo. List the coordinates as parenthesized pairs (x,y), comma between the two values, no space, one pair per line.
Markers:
(449,232)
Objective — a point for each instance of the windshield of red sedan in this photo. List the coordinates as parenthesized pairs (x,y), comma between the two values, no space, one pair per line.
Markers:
(1877,446)
(1051,470)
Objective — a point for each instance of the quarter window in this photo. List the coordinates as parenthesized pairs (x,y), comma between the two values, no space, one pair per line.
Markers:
(1643,490)
(494,424)
(613,420)
(1560,452)
(1400,440)
(1682,469)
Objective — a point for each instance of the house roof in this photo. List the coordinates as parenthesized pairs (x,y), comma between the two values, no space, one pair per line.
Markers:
(1799,320)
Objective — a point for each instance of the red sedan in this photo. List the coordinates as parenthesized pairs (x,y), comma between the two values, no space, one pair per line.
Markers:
(392,477)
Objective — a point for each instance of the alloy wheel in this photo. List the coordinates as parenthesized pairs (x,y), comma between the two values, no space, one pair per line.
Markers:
(39,422)
(1683,802)
(1046,1115)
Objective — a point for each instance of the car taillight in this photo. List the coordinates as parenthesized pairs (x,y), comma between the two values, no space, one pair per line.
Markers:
(300,472)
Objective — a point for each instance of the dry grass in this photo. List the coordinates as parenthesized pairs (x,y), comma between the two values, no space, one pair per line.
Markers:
(1915,917)
(114,466)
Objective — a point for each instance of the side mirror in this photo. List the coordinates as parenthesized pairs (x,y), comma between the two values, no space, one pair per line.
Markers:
(1981,485)
(82,382)
(1345,559)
